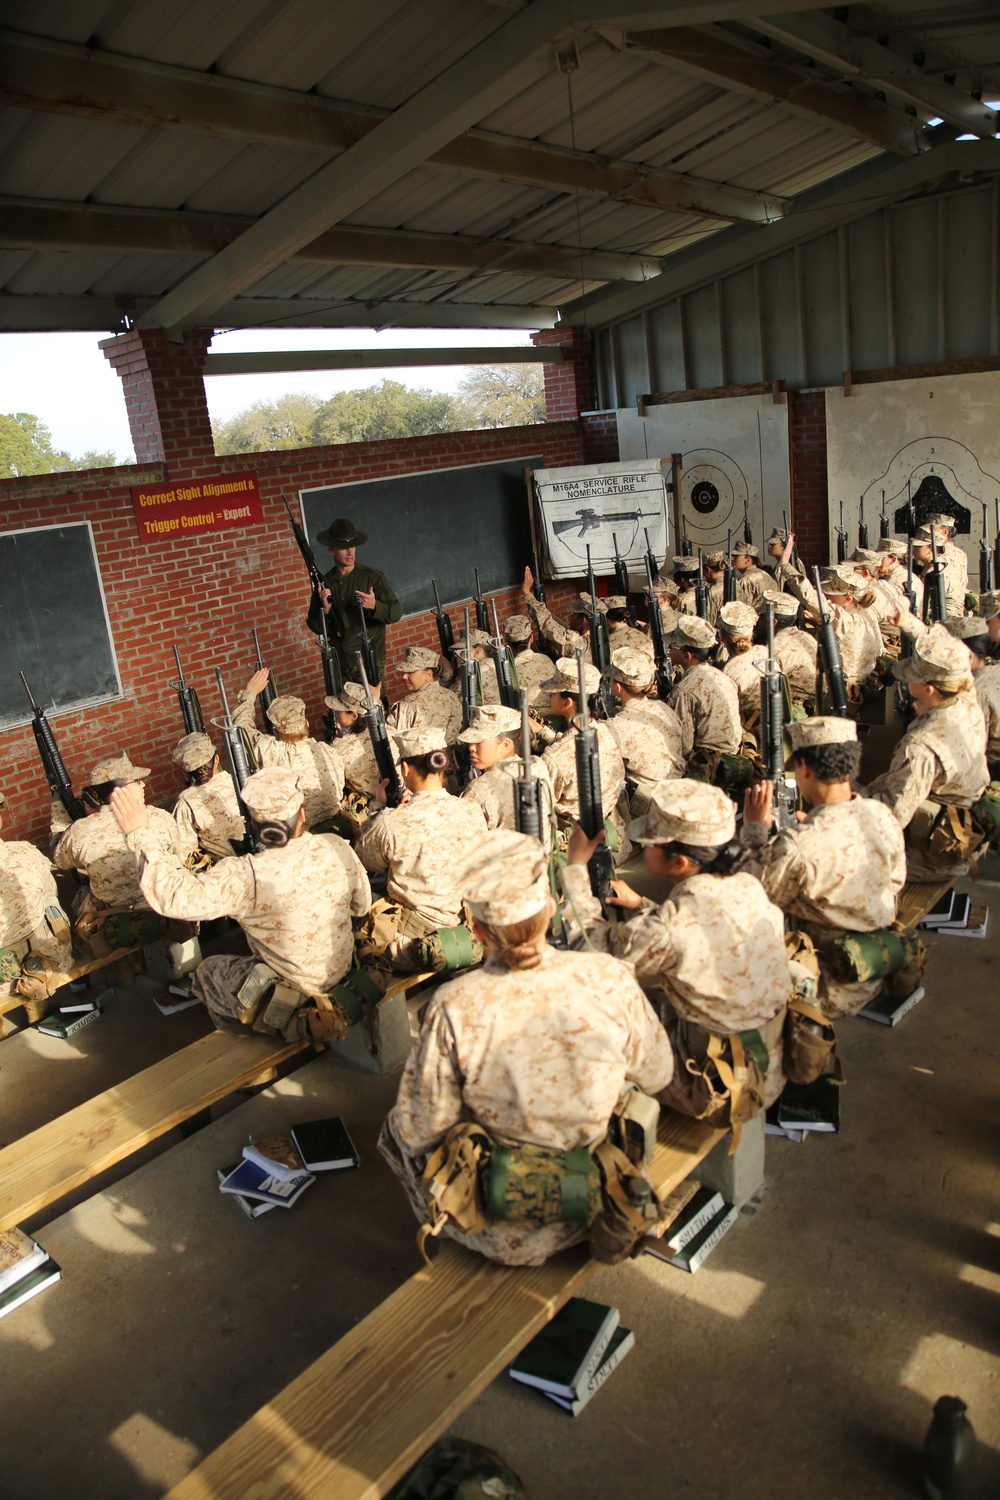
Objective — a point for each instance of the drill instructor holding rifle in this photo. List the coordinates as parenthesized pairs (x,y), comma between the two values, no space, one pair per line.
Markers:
(358,601)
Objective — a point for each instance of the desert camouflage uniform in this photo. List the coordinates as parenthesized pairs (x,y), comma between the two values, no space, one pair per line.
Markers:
(489,688)
(857,631)
(896,580)
(715,948)
(494,791)
(839,871)
(96,846)
(628,635)
(795,651)
(956,584)
(987,681)
(940,760)
(755,581)
(419,844)
(746,593)
(649,736)
(746,673)
(708,707)
(356,755)
(26,890)
(430,707)
(532,670)
(210,815)
(956,563)
(294,905)
(539,1057)
(553,630)
(687,602)
(560,761)
(320,772)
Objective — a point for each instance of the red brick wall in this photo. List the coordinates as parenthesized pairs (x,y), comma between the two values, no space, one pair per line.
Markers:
(809,491)
(569,386)
(205,592)
(600,437)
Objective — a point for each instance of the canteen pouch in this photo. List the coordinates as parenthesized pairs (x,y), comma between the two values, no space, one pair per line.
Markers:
(450,948)
(632,1127)
(986,814)
(531,1184)
(253,993)
(629,1206)
(859,956)
(945,836)
(284,1001)
(451,1184)
(328,1018)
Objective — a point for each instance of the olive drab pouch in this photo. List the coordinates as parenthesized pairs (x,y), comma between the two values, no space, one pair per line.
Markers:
(449,948)
(328,1018)
(986,814)
(10,963)
(535,1185)
(131,929)
(809,1039)
(632,1127)
(629,1206)
(719,1080)
(856,957)
(944,836)
(254,993)
(451,1183)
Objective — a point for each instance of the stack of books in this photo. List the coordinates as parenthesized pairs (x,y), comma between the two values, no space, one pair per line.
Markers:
(956,914)
(573,1356)
(888,1010)
(275,1172)
(693,1221)
(805,1109)
(25,1270)
(178,996)
(71,1017)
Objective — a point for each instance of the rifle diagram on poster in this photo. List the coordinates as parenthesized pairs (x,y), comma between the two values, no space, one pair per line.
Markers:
(734,463)
(598,506)
(932,441)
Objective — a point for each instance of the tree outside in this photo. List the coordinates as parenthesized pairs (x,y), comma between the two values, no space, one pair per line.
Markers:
(502,396)
(26,447)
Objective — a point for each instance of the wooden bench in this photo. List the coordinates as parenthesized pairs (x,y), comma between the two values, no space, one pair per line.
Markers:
(916,900)
(41,1167)
(34,1010)
(365,1411)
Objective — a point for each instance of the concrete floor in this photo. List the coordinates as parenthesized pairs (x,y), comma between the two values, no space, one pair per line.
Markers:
(801,1361)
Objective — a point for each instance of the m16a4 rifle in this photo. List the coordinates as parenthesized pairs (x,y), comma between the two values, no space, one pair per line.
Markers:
(935,598)
(468,681)
(772,731)
(482,617)
(56,774)
(622,579)
(367,651)
(828,656)
(747,528)
(588,783)
(446,634)
(883,522)
(996,543)
(379,736)
(600,645)
(795,546)
(701,589)
(269,691)
(187,697)
(841,537)
(862,527)
(239,768)
(903,701)
(687,548)
(729,573)
(332,677)
(503,661)
(537,586)
(658,635)
(985,559)
(589,519)
(529,809)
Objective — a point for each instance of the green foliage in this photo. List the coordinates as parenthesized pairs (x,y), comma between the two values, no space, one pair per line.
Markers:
(26,448)
(502,396)
(386,410)
(268,425)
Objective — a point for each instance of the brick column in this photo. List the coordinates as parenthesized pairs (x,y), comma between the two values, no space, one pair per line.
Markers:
(569,387)
(810,492)
(165,396)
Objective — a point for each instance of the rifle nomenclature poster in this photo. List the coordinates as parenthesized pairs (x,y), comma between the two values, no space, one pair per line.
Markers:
(593,506)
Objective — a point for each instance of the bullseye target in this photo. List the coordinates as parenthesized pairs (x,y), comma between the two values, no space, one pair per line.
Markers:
(714,492)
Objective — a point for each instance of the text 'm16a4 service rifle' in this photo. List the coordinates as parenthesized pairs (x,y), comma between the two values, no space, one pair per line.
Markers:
(379,736)
(446,633)
(729,573)
(332,678)
(658,635)
(588,782)
(529,809)
(504,664)
(985,558)
(187,697)
(935,598)
(269,691)
(828,655)
(772,731)
(239,767)
(56,774)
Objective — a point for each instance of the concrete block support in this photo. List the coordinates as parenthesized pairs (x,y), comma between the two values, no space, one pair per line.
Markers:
(739,1177)
(381,1042)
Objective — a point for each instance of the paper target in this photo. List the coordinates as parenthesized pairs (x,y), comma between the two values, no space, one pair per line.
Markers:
(714,492)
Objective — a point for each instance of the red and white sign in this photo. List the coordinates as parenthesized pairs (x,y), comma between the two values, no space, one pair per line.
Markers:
(171,510)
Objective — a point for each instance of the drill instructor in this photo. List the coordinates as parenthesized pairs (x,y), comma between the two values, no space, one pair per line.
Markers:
(348,588)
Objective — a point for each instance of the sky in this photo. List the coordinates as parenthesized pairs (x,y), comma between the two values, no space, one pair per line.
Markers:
(64,379)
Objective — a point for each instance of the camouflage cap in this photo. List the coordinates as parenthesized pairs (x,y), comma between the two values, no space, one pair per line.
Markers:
(785,605)
(272,795)
(938,658)
(892,546)
(922,536)
(192,751)
(745,549)
(664,584)
(692,631)
(633,668)
(842,580)
(118,768)
(615,601)
(288,714)
(715,559)
(966,627)
(778,535)
(941,518)
(517,628)
(804,733)
(505,878)
(989,605)
(685,812)
(566,678)
(685,565)
(416,742)
(490,722)
(737,619)
(586,604)
(420,659)
(866,556)
(351,700)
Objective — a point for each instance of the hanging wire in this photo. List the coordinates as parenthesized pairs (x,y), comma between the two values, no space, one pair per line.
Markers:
(569,62)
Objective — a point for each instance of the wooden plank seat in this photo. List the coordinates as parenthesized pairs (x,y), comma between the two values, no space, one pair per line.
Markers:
(366,1410)
(36,1009)
(916,900)
(38,1169)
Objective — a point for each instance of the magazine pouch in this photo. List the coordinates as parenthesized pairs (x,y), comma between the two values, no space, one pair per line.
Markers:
(253,993)
(451,1183)
(131,929)
(632,1127)
(629,1206)
(809,1041)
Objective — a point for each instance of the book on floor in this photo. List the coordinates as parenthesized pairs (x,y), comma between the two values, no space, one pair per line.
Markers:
(65,1023)
(29,1286)
(941,910)
(772,1126)
(276,1154)
(889,1010)
(252,1207)
(669,1236)
(251,1181)
(975,927)
(19,1255)
(564,1355)
(958,918)
(811,1106)
(694,1254)
(324,1145)
(621,1341)
(174,1000)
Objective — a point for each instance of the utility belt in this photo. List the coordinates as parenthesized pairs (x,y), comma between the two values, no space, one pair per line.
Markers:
(271,1005)
(944,835)
(439,948)
(472,1180)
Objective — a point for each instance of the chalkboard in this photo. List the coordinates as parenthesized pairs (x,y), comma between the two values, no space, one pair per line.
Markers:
(438,525)
(53,622)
